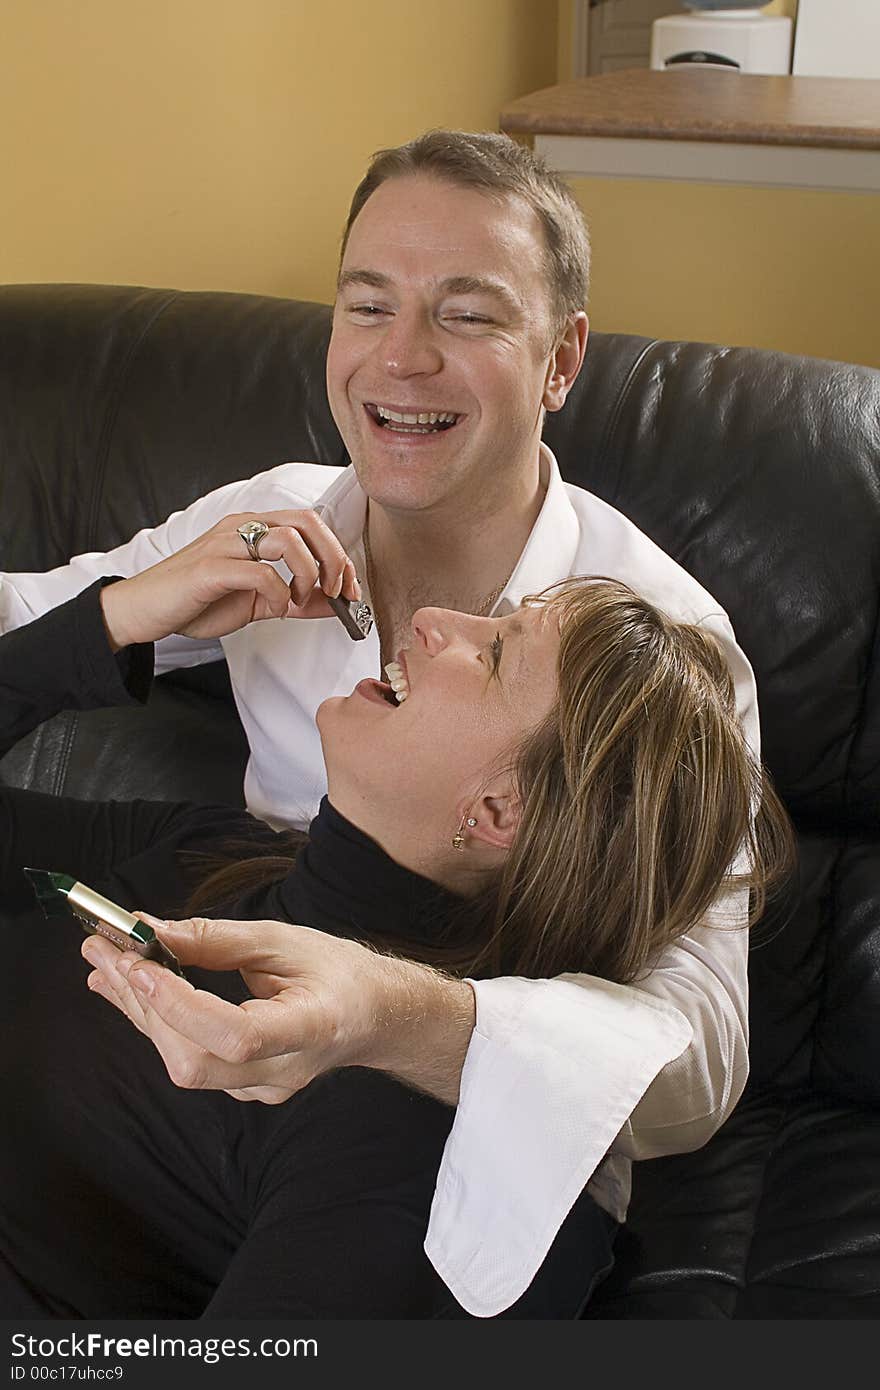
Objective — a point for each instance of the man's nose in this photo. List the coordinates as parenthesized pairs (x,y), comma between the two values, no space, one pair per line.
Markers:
(409,346)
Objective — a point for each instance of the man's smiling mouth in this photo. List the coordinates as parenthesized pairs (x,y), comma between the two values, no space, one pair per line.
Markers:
(411,421)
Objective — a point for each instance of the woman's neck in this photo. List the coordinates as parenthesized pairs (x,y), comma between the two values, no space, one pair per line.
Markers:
(418,844)
(344,881)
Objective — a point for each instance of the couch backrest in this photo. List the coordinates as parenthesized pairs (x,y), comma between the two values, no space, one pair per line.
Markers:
(119,405)
(758,471)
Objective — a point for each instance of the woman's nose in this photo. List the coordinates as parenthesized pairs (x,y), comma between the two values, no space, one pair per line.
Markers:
(433,628)
(409,348)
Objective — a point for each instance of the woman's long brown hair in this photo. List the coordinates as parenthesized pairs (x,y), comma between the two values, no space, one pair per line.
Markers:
(641,806)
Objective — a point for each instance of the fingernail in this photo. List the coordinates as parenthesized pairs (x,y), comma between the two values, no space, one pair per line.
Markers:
(153,921)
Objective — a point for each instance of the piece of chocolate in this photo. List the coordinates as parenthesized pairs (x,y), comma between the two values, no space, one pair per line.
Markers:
(355,615)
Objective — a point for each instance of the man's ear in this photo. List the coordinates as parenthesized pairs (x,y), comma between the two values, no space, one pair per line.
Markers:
(497,815)
(566,362)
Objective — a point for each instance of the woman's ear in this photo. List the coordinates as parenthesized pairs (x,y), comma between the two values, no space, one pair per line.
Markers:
(497,819)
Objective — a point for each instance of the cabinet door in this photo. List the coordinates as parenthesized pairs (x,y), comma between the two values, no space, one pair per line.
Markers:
(620,33)
(842,40)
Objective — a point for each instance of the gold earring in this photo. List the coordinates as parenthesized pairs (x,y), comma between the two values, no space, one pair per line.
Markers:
(458,838)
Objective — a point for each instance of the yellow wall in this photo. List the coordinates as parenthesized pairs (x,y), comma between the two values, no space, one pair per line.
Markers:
(782,268)
(216,143)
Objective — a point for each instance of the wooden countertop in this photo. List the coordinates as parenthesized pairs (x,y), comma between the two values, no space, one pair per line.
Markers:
(699,105)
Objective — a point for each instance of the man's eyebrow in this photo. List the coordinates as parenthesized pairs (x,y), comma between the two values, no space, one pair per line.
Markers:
(480,284)
(374,278)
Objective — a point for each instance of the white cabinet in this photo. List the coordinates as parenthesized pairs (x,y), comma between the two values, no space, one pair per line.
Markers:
(839,40)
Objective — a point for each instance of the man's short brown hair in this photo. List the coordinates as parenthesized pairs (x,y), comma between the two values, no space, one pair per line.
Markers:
(498,166)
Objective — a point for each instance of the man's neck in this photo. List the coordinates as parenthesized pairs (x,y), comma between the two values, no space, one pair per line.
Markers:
(459,562)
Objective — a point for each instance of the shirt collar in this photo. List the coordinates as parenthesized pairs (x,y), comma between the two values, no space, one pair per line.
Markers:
(344,508)
(550,551)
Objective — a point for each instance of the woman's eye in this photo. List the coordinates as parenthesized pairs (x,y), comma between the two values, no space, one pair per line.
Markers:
(495,651)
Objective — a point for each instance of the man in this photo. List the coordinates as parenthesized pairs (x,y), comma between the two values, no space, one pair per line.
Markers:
(458,321)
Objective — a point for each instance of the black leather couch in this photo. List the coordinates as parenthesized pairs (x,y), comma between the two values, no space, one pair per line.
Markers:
(759,472)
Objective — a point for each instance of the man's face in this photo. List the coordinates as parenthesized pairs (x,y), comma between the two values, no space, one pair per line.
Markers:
(442,317)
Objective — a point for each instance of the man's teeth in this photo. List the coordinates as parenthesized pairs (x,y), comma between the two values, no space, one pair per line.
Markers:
(397,680)
(424,417)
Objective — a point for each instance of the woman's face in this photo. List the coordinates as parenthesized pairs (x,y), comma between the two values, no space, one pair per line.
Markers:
(474,687)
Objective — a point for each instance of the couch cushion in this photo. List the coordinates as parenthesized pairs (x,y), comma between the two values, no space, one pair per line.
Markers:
(779,1218)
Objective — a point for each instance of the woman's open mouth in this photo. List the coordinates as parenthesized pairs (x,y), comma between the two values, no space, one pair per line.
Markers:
(392,692)
(411,422)
(377,692)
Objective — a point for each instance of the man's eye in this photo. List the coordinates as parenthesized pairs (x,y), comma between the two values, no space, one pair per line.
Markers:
(470,318)
(368,311)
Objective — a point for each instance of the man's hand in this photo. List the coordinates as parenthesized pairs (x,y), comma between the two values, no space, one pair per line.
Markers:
(212,587)
(320,1002)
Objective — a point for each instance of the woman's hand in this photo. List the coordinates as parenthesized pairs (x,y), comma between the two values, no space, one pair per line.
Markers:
(320,1002)
(212,587)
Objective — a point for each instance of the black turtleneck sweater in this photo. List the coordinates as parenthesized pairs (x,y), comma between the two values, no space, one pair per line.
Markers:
(343,882)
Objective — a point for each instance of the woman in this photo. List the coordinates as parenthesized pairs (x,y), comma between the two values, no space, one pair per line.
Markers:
(575,763)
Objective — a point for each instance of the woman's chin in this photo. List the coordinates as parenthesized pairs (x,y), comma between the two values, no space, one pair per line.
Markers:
(327,705)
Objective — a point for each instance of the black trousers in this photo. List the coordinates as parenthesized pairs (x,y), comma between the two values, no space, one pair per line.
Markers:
(123,1196)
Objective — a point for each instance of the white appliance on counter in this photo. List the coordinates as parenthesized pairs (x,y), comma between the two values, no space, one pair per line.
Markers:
(733,39)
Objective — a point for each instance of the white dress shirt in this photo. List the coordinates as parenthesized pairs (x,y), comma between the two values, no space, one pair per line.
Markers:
(565,1080)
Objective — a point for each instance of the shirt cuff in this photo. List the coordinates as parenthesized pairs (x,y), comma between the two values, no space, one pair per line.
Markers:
(554,1069)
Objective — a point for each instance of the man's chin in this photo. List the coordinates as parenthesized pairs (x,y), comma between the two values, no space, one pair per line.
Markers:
(405,486)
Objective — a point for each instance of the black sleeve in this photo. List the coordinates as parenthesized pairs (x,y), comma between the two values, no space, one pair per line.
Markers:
(62,661)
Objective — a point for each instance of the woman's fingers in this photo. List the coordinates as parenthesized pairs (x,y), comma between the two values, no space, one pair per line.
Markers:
(311,551)
(212,587)
(225,576)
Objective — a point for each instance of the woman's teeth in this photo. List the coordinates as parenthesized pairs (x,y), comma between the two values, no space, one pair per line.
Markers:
(422,422)
(397,680)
